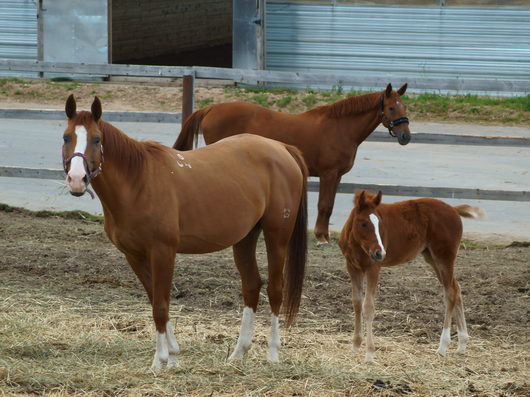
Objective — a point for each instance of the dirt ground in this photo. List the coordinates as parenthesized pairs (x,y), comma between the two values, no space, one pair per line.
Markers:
(495,282)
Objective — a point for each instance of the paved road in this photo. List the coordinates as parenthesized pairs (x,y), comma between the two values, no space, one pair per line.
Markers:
(36,143)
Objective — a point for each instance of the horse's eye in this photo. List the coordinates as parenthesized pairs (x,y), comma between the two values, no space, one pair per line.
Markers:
(391,108)
(67,138)
(364,224)
(96,140)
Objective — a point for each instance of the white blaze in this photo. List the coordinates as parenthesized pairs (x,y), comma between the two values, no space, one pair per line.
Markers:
(375,222)
(77,166)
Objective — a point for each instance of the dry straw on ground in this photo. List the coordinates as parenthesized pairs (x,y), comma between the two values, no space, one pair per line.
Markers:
(74,321)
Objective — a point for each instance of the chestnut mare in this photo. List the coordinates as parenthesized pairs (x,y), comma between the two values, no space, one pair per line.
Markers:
(378,235)
(328,136)
(158,202)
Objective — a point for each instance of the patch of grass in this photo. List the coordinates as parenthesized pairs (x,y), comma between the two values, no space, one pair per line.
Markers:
(18,92)
(284,101)
(261,99)
(78,214)
(205,102)
(310,100)
(61,79)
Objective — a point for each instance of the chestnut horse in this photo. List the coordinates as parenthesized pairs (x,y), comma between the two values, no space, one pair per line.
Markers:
(378,235)
(158,202)
(328,136)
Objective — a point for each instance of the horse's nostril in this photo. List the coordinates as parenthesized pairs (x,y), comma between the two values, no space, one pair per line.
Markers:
(85,179)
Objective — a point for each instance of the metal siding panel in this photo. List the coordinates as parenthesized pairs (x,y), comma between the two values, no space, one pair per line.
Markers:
(18,32)
(451,42)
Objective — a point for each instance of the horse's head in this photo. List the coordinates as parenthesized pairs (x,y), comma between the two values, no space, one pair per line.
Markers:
(394,115)
(82,148)
(366,227)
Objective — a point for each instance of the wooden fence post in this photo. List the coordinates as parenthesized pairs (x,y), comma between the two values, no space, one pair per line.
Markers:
(188,95)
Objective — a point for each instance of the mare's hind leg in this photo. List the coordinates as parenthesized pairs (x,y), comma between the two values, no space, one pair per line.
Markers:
(245,259)
(443,265)
(276,241)
(162,264)
(326,198)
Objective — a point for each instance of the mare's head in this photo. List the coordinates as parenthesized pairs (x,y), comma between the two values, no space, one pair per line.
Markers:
(82,148)
(366,226)
(394,114)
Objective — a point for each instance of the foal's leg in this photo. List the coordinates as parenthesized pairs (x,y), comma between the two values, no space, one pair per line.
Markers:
(276,242)
(356,277)
(245,259)
(326,197)
(372,277)
(443,265)
(162,264)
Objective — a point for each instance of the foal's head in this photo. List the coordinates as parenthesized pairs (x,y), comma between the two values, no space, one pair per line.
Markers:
(366,227)
(82,148)
(394,114)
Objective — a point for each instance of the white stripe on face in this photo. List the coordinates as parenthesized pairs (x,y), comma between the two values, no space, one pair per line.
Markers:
(77,167)
(375,222)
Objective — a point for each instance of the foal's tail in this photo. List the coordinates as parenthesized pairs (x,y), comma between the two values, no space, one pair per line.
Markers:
(297,252)
(190,130)
(467,211)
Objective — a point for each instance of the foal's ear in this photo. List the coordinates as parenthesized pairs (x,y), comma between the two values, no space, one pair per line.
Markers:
(402,90)
(360,199)
(70,107)
(377,199)
(96,109)
(388,89)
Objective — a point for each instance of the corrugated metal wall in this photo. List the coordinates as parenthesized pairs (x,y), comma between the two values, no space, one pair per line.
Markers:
(450,42)
(18,31)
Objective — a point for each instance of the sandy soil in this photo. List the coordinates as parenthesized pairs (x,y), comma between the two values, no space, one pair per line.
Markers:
(495,280)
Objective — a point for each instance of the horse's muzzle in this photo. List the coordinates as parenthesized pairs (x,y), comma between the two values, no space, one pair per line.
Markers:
(377,255)
(77,184)
(403,137)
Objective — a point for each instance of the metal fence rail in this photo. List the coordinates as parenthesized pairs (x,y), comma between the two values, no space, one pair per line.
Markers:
(348,188)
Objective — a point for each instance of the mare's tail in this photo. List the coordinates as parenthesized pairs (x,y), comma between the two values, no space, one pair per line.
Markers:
(190,130)
(467,211)
(297,251)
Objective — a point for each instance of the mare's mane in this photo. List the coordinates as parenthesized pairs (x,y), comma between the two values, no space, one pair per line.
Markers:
(124,150)
(351,105)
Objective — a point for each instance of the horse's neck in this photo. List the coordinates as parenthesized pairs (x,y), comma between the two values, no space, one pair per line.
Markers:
(357,127)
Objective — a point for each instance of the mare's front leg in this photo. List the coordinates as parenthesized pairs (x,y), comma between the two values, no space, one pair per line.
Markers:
(372,277)
(162,260)
(329,182)
(245,259)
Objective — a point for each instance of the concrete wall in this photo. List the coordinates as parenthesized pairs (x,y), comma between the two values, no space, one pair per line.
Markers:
(148,28)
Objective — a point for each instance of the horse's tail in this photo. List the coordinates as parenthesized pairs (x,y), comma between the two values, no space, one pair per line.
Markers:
(297,251)
(190,130)
(467,211)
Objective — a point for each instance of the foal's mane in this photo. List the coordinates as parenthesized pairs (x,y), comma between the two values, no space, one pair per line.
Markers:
(351,105)
(129,152)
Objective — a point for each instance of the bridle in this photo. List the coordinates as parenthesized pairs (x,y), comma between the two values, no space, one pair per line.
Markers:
(91,174)
(391,123)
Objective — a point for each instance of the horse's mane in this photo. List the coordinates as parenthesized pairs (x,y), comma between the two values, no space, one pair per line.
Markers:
(351,105)
(131,153)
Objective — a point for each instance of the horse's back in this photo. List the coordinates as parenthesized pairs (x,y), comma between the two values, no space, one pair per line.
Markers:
(232,185)
(231,118)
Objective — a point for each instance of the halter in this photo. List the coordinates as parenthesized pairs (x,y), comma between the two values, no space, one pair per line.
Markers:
(90,173)
(393,123)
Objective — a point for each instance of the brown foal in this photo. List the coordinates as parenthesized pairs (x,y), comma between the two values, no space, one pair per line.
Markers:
(378,235)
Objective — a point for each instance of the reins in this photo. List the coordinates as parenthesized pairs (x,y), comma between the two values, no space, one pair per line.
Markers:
(91,174)
(391,123)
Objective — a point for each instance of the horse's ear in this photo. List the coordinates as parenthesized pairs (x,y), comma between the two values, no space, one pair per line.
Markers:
(377,199)
(96,109)
(360,199)
(70,107)
(402,90)
(388,89)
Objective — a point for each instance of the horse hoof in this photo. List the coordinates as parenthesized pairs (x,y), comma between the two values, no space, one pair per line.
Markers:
(323,244)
